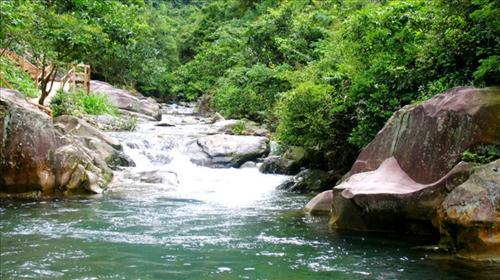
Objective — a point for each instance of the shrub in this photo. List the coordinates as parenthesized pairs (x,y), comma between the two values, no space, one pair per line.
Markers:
(481,154)
(239,128)
(305,116)
(78,103)
(249,92)
(18,79)
(129,124)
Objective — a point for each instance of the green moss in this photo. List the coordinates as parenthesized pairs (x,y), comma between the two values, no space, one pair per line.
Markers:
(481,154)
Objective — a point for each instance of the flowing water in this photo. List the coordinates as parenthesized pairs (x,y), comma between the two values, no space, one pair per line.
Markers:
(168,218)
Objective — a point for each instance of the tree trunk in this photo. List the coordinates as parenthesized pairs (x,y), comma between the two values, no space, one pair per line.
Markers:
(46,80)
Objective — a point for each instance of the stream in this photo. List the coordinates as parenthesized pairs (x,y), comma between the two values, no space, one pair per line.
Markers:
(167,218)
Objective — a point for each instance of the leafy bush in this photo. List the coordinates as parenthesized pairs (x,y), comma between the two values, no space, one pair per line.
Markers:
(249,92)
(78,103)
(305,116)
(481,154)
(17,78)
(239,128)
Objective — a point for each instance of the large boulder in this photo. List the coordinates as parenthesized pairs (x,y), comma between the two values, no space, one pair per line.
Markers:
(99,144)
(428,139)
(402,177)
(222,150)
(387,199)
(469,217)
(133,104)
(36,159)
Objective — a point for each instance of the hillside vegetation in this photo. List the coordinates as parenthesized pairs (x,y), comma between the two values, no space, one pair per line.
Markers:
(322,74)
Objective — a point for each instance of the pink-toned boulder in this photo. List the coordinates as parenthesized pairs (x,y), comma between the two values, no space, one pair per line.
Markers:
(321,204)
(427,139)
(387,199)
(400,180)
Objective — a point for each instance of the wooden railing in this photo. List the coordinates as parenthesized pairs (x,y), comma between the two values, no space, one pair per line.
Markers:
(5,82)
(23,63)
(79,74)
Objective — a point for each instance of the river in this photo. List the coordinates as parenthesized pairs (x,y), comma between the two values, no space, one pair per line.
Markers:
(167,218)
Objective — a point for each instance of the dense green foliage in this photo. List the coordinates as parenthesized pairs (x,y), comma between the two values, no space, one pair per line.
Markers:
(78,103)
(16,78)
(328,74)
(125,42)
(322,74)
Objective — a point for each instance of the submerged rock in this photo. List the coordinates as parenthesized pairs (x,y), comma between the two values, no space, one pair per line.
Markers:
(309,181)
(164,177)
(248,164)
(133,103)
(400,180)
(37,159)
(290,163)
(223,150)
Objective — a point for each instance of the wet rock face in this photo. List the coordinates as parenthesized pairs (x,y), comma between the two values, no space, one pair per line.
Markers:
(37,159)
(321,204)
(290,163)
(222,150)
(309,181)
(128,101)
(412,168)
(469,217)
(387,199)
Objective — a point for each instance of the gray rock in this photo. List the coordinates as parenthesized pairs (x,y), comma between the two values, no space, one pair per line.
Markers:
(248,128)
(290,163)
(223,150)
(154,177)
(100,145)
(248,164)
(279,165)
(126,100)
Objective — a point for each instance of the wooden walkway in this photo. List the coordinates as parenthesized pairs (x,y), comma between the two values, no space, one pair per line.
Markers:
(77,75)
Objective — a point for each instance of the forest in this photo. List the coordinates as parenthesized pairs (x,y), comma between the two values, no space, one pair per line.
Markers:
(325,75)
